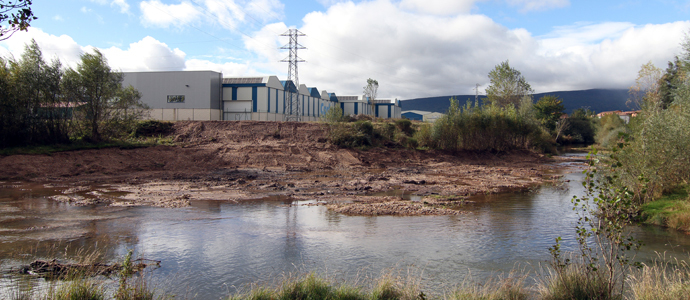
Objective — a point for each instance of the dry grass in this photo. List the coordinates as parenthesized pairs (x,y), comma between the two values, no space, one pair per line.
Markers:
(511,287)
(573,282)
(661,281)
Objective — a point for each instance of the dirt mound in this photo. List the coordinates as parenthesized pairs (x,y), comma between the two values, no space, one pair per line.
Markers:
(237,160)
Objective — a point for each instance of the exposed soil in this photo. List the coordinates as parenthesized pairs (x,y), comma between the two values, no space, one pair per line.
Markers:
(240,160)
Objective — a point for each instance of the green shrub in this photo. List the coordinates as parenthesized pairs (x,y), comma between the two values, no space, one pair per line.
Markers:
(78,289)
(581,129)
(487,128)
(152,128)
(658,149)
(576,282)
(423,136)
(334,115)
(405,126)
(348,135)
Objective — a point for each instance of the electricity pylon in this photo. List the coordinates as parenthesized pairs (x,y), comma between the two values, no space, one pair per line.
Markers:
(293,103)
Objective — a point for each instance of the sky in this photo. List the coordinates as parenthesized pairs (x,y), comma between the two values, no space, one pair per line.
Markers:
(413,48)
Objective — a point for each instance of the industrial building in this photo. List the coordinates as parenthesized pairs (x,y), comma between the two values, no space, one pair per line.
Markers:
(206,95)
(420,115)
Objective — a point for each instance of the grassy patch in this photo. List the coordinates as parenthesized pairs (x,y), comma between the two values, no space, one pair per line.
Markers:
(80,145)
(311,286)
(576,282)
(364,134)
(661,281)
(671,210)
(508,288)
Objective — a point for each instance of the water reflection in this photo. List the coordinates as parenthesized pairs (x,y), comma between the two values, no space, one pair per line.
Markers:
(212,246)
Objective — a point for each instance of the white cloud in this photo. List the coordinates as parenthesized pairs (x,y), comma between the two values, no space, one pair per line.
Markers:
(228,69)
(266,10)
(568,38)
(537,5)
(85,10)
(226,13)
(157,14)
(415,55)
(266,43)
(124,7)
(62,47)
(122,4)
(147,54)
(439,7)
(58,18)
(410,54)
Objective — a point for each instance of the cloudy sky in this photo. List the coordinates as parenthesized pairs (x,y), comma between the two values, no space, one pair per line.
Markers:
(414,48)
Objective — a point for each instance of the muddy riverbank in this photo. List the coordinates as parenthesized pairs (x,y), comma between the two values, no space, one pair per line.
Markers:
(236,161)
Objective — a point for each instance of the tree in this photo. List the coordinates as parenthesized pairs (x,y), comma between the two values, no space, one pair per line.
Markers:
(30,100)
(370,91)
(549,110)
(107,107)
(507,86)
(645,93)
(18,15)
(581,128)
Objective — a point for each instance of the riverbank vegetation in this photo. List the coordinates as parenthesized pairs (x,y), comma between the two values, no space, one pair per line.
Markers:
(656,281)
(508,120)
(654,145)
(44,104)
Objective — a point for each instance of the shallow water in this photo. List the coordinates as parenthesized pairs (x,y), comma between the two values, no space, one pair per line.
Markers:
(211,248)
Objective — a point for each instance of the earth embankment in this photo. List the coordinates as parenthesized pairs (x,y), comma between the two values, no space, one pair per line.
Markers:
(234,161)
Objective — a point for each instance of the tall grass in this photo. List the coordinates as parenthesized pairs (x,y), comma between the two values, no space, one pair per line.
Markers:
(77,289)
(312,286)
(576,281)
(364,133)
(511,287)
(661,281)
(487,128)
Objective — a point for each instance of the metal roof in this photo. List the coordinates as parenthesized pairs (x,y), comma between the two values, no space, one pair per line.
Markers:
(348,98)
(243,80)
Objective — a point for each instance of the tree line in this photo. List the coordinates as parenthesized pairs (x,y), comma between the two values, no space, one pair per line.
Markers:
(508,119)
(44,103)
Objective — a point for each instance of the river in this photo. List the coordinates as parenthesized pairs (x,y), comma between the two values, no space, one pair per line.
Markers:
(209,250)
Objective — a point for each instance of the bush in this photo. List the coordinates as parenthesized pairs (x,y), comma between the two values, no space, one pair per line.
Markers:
(351,135)
(152,128)
(581,129)
(658,149)
(405,126)
(575,282)
(334,115)
(609,129)
(78,289)
(487,128)
(423,136)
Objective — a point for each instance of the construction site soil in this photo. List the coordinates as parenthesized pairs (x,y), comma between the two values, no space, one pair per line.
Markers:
(235,161)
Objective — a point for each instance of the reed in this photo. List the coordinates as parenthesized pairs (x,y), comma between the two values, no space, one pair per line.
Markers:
(511,287)
(661,281)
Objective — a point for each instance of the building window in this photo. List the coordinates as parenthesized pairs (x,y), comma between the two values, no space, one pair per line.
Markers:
(175,98)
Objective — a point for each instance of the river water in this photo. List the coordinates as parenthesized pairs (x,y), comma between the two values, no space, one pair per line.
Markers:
(210,249)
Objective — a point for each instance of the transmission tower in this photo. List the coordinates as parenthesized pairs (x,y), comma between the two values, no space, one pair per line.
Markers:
(293,109)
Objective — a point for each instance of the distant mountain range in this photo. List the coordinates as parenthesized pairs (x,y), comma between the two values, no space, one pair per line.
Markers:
(597,100)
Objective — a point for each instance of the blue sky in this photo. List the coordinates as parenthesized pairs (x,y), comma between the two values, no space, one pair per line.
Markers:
(414,48)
